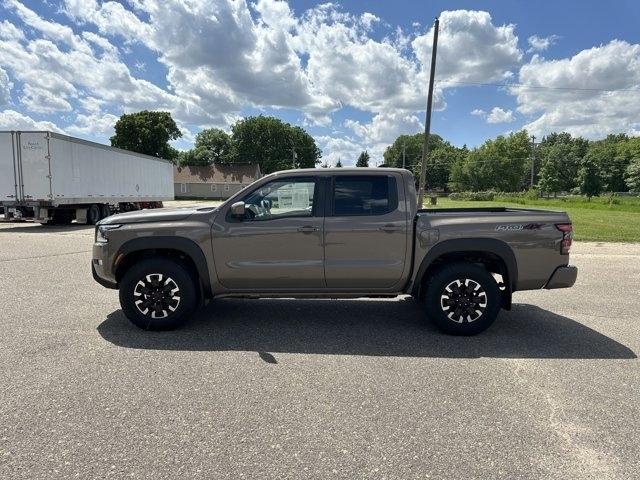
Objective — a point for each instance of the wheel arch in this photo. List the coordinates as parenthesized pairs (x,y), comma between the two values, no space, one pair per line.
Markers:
(494,253)
(183,249)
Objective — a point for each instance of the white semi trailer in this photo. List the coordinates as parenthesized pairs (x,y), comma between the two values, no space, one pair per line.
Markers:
(55,178)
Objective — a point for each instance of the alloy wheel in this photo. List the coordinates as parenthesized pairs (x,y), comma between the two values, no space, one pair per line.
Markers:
(156,295)
(463,300)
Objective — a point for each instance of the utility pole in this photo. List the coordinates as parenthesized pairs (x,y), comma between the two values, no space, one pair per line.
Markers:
(294,156)
(404,150)
(427,123)
(533,157)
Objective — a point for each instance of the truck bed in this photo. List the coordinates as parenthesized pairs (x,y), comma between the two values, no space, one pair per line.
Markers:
(432,211)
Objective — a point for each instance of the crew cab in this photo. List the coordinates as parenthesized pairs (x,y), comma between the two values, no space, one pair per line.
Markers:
(335,233)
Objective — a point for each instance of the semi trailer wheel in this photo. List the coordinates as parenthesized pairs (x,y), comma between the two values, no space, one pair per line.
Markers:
(93,214)
(105,211)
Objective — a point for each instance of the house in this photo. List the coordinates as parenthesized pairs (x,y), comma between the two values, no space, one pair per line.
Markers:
(217,182)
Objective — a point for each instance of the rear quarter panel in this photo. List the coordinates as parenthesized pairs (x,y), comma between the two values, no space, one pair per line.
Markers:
(531,235)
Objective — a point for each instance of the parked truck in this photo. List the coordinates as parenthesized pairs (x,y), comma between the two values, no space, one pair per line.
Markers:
(332,233)
(56,179)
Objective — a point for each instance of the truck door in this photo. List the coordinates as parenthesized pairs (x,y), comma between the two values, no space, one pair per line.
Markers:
(278,244)
(366,232)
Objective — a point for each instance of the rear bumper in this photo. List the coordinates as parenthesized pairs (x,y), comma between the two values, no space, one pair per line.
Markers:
(563,277)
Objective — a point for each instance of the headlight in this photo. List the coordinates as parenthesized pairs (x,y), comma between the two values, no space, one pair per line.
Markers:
(102,232)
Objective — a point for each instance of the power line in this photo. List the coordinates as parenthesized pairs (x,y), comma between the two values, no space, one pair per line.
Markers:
(540,87)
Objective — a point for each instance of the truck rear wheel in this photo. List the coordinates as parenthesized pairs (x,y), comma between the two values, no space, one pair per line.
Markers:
(105,211)
(158,294)
(462,299)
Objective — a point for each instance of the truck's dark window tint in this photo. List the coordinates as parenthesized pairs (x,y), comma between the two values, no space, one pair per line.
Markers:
(280,199)
(364,195)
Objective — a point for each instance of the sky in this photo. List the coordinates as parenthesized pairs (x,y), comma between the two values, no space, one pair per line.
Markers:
(354,74)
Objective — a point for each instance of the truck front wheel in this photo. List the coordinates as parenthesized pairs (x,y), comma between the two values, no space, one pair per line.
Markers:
(158,294)
(462,299)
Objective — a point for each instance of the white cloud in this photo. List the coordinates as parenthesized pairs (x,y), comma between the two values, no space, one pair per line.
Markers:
(53,76)
(225,55)
(51,30)
(470,48)
(12,120)
(540,44)
(386,127)
(344,149)
(499,115)
(41,100)
(110,17)
(496,115)
(5,88)
(8,31)
(317,62)
(593,93)
(94,125)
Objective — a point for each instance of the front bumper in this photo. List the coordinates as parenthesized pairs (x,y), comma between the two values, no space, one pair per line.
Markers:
(563,277)
(99,266)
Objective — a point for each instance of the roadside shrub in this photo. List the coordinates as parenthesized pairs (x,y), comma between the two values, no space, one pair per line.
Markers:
(473,196)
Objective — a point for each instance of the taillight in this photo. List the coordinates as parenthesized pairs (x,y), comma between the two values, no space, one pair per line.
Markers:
(567,237)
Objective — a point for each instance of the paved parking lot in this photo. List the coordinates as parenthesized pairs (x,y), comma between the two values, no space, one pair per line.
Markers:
(313,389)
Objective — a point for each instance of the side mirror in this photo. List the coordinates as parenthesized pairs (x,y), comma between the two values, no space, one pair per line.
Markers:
(238,209)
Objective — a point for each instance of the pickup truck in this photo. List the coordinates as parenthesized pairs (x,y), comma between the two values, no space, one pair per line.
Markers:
(334,233)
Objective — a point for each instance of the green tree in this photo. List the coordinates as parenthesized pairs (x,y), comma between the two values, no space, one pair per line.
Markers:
(412,146)
(271,143)
(442,155)
(497,164)
(212,146)
(147,132)
(216,142)
(589,176)
(609,155)
(195,157)
(338,164)
(559,156)
(363,159)
(439,165)
(632,176)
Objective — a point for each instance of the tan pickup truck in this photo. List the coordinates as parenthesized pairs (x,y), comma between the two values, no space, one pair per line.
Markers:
(331,233)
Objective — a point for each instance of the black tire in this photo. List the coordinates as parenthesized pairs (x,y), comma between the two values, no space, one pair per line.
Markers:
(105,211)
(142,289)
(61,217)
(462,299)
(93,214)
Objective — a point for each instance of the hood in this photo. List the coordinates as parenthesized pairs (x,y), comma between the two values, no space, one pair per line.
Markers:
(150,215)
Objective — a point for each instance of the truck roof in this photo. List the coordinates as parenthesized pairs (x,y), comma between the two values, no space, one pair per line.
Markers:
(340,170)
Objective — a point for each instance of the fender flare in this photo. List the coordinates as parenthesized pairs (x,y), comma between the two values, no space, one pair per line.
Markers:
(184,245)
(489,245)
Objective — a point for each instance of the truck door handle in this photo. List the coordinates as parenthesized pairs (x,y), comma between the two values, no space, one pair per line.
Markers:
(308,229)
(390,228)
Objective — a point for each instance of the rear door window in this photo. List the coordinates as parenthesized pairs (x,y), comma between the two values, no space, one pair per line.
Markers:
(362,195)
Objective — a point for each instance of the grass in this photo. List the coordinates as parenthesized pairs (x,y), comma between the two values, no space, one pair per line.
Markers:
(597,220)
